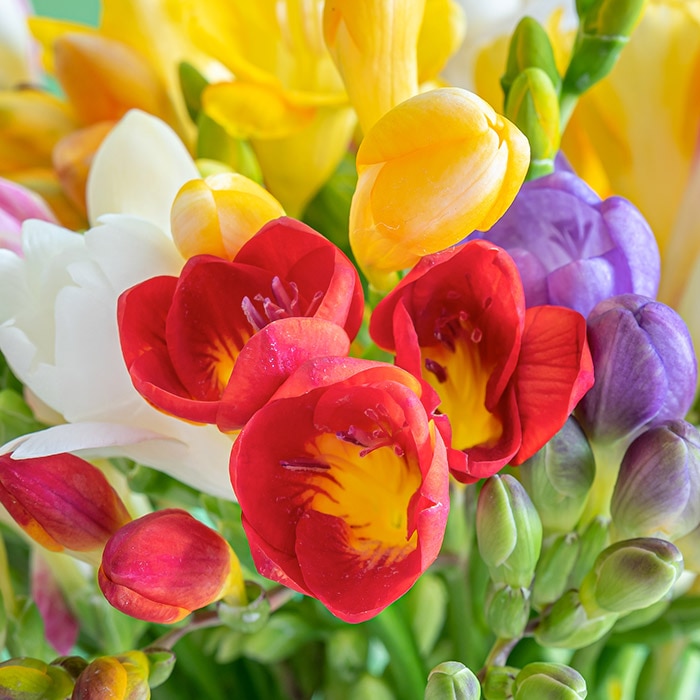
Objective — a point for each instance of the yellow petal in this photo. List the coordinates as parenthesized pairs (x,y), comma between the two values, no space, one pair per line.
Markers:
(441,34)
(375,44)
(249,110)
(47,30)
(431,171)
(104,78)
(219,214)
(31,122)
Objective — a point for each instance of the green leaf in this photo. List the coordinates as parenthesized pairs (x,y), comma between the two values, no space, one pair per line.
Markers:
(16,418)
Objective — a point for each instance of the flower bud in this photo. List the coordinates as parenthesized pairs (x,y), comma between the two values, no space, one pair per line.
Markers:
(559,477)
(32,679)
(657,493)
(442,151)
(533,106)
(61,501)
(631,575)
(507,610)
(567,624)
(166,564)
(508,531)
(553,569)
(218,214)
(604,31)
(529,48)
(498,682)
(549,680)
(646,371)
(123,677)
(452,680)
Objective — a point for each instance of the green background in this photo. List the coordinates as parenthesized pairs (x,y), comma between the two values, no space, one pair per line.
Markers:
(85,11)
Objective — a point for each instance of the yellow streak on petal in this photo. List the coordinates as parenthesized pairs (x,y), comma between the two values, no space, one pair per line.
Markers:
(463,395)
(371,494)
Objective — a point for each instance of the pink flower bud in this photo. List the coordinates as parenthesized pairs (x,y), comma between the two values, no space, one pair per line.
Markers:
(166,564)
(61,501)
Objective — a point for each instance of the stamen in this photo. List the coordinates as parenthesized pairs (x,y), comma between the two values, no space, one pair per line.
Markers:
(437,369)
(255,318)
(298,465)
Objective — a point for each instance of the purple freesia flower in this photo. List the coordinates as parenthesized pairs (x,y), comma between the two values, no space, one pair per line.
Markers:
(645,368)
(574,249)
(17,204)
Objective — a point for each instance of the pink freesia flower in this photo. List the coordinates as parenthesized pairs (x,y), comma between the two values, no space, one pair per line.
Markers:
(17,204)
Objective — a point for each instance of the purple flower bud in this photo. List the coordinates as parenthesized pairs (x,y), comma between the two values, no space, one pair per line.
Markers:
(657,493)
(645,368)
(572,248)
(17,204)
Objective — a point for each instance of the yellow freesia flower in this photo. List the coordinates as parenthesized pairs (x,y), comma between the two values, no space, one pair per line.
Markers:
(432,170)
(286,96)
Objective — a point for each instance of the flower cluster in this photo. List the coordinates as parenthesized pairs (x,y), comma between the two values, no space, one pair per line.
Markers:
(287,320)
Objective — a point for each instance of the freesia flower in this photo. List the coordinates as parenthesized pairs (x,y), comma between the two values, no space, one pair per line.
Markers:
(574,250)
(431,170)
(61,501)
(507,377)
(58,313)
(18,62)
(213,345)
(349,502)
(286,96)
(646,370)
(17,204)
(162,566)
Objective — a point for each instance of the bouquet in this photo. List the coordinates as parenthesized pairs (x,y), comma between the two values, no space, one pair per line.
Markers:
(346,350)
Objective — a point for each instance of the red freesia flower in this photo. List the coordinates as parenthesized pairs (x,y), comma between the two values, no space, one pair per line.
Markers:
(213,345)
(348,502)
(507,377)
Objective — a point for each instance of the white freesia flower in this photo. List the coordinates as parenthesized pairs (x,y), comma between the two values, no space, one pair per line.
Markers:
(58,319)
(18,58)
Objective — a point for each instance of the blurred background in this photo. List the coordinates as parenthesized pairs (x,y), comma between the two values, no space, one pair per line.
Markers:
(85,11)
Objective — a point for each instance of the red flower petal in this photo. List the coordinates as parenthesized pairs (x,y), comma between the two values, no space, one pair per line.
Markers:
(554,371)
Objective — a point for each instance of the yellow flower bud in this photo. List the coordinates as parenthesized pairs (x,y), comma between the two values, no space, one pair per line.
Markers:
(219,214)
(431,171)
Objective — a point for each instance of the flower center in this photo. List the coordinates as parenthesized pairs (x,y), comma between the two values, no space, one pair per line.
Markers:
(282,303)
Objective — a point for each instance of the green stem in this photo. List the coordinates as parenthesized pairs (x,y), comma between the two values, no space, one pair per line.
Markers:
(406,666)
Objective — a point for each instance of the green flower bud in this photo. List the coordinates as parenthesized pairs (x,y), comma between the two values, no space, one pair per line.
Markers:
(498,682)
(529,48)
(452,680)
(567,625)
(631,575)
(370,688)
(592,542)
(603,33)
(250,617)
(346,653)
(559,477)
(553,569)
(533,106)
(508,530)
(507,610)
(32,679)
(160,665)
(549,680)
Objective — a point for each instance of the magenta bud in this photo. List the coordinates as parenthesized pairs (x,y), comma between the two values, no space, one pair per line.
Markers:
(657,493)
(166,564)
(61,501)
(645,368)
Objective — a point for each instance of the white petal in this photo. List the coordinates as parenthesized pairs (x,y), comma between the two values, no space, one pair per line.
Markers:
(138,170)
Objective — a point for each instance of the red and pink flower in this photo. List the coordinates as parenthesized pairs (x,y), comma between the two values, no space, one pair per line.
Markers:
(507,376)
(348,502)
(214,344)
